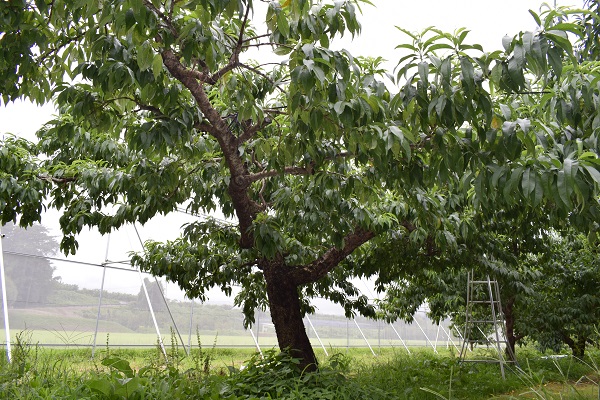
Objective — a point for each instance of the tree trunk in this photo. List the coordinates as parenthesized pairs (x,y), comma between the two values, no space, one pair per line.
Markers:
(509,318)
(284,303)
(576,345)
(579,350)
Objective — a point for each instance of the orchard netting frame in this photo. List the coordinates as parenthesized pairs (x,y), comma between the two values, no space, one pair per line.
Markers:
(96,298)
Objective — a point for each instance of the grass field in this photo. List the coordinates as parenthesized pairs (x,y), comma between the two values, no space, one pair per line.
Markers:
(68,338)
(239,373)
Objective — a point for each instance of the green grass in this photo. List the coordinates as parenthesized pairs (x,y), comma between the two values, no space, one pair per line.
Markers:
(214,373)
(65,336)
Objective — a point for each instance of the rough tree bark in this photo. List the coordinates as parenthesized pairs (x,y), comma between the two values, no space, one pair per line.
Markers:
(284,304)
(283,283)
(576,345)
(509,318)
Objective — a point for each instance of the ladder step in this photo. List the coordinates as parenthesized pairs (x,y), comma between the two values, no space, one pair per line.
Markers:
(480,282)
(485,321)
(484,301)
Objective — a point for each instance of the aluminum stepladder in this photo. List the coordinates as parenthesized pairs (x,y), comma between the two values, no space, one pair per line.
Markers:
(484,310)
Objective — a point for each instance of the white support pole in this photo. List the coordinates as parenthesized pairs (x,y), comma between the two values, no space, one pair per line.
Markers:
(160,341)
(426,338)
(317,335)
(4,301)
(460,336)
(100,295)
(400,337)
(191,323)
(364,337)
(164,300)
(437,335)
(256,342)
(187,353)
(447,333)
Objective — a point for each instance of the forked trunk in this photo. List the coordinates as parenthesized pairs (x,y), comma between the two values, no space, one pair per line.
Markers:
(284,303)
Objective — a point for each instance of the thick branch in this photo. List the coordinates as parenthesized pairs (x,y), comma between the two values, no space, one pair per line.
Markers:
(246,209)
(203,126)
(189,79)
(331,258)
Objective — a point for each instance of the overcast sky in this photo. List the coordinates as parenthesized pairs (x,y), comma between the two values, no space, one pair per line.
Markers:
(488,22)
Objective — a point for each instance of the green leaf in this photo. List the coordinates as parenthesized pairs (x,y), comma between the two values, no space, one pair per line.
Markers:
(594,173)
(561,39)
(282,24)
(506,43)
(145,56)
(528,182)
(515,74)
(119,364)
(282,50)
(467,71)
(439,46)
(157,65)
(555,61)
(129,19)
(536,17)
(102,385)
(562,184)
(424,73)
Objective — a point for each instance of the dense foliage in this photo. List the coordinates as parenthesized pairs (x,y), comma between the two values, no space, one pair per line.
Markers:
(564,308)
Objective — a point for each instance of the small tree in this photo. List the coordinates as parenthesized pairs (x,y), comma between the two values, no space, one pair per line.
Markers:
(29,274)
(565,306)
(155,294)
(416,276)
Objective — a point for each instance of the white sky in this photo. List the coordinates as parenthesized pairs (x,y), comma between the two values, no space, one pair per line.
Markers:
(488,22)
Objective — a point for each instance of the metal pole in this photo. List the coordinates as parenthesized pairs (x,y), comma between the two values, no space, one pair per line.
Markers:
(191,323)
(459,335)
(424,334)
(494,318)
(163,297)
(256,342)
(317,335)
(347,335)
(364,337)
(160,341)
(466,337)
(257,325)
(187,353)
(400,337)
(447,333)
(4,301)
(100,295)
